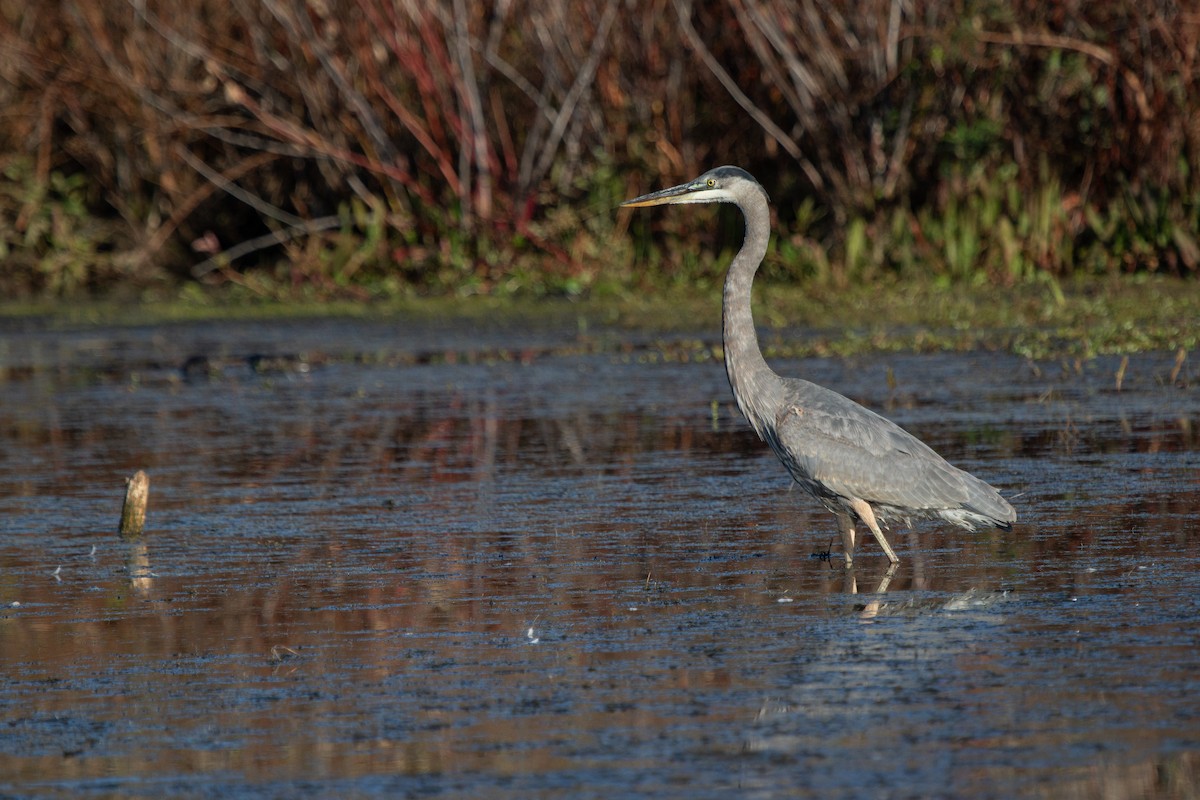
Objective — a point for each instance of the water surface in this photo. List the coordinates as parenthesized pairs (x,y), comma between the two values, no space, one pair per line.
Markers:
(387,559)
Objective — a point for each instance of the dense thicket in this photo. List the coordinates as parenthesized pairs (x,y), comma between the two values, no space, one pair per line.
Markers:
(481,146)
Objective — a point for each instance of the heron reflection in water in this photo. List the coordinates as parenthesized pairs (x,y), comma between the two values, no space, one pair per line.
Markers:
(862,467)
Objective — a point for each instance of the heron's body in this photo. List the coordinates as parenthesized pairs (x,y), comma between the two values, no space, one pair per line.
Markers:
(859,465)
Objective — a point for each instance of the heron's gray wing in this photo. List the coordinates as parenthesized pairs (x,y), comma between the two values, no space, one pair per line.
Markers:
(853,452)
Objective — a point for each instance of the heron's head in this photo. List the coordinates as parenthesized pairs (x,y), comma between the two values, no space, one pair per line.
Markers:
(720,185)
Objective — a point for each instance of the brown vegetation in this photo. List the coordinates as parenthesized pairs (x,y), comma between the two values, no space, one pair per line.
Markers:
(368,145)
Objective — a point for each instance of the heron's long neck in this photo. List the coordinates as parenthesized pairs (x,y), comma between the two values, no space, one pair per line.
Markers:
(755,386)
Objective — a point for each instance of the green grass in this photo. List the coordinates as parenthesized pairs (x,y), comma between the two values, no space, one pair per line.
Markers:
(1081,319)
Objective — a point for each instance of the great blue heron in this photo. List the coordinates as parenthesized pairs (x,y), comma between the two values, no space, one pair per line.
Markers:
(860,466)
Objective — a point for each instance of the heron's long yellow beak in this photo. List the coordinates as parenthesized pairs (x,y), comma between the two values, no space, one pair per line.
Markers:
(660,197)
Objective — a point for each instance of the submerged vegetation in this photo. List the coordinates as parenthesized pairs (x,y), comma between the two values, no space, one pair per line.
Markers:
(370,149)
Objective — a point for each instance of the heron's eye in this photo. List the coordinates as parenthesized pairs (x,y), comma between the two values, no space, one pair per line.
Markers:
(712,182)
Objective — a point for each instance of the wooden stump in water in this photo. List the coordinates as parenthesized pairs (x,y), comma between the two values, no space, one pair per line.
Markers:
(133,513)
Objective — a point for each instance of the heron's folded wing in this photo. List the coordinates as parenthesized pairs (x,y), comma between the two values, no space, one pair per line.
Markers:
(853,452)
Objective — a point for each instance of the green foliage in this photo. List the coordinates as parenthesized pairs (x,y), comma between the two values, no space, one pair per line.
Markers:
(1147,230)
(993,230)
(50,242)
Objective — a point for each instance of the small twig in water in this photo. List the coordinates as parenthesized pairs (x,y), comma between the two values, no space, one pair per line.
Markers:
(1180,359)
(824,555)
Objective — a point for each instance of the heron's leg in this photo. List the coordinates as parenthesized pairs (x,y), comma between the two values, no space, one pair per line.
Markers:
(865,513)
(846,527)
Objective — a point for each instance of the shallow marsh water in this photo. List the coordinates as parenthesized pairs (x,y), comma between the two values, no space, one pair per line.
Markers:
(387,559)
